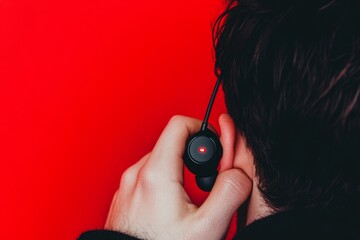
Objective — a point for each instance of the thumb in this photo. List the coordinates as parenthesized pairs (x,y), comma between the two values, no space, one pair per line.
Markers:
(231,189)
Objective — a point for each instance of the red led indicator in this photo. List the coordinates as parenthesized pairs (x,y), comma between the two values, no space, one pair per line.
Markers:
(202,149)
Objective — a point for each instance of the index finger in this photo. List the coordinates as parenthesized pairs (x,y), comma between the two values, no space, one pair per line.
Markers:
(166,159)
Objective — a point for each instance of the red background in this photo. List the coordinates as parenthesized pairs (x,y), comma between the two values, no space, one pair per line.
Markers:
(86,87)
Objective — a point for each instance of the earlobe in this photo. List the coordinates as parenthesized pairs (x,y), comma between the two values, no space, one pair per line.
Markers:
(227,139)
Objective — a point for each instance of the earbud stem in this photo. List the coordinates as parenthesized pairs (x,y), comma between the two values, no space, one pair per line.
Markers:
(206,183)
(203,126)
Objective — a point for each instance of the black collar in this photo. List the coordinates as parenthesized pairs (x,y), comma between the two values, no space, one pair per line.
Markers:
(328,223)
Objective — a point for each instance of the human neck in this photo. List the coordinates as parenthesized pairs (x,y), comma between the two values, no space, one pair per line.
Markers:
(257,208)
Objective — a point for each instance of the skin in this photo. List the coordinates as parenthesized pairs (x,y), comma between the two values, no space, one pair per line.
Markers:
(151,202)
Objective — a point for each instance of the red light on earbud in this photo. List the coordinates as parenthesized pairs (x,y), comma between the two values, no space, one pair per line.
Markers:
(202,149)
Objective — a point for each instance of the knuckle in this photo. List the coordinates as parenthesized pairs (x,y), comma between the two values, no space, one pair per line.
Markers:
(128,177)
(176,119)
(147,177)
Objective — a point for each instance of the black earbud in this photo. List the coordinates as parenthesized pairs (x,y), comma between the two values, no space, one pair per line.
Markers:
(204,151)
(202,156)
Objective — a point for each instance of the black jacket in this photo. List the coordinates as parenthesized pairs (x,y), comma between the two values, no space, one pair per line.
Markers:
(341,224)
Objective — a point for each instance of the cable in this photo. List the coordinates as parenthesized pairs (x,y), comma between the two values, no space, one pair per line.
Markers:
(208,110)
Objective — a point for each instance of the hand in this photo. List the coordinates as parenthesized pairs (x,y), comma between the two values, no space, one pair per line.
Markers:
(151,202)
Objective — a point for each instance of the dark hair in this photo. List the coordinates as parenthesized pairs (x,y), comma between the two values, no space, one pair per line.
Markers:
(291,76)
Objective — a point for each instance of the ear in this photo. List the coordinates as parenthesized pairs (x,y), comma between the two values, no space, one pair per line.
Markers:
(243,157)
(227,139)
(235,152)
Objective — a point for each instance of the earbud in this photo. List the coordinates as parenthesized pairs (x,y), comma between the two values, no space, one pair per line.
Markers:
(204,151)
(202,156)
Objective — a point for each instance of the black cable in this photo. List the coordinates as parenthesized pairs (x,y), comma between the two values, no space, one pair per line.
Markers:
(208,110)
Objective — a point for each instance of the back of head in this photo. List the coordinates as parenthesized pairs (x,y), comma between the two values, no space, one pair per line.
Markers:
(291,78)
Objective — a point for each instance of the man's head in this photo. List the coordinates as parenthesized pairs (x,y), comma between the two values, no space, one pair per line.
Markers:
(291,78)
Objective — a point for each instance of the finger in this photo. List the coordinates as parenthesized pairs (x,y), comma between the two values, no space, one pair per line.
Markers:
(166,159)
(227,139)
(126,189)
(130,176)
(135,169)
(231,189)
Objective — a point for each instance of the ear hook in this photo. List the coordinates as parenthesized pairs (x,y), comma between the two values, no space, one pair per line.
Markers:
(211,102)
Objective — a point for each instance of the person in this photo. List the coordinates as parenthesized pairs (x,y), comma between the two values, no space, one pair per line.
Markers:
(291,138)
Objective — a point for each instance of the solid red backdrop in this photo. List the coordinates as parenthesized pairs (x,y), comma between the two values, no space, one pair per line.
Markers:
(86,86)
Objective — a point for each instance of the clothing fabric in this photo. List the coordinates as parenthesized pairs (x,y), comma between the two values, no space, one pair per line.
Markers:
(105,235)
(311,224)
